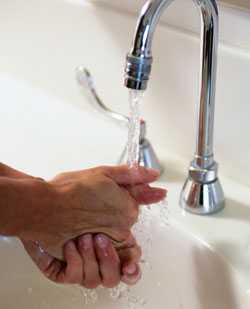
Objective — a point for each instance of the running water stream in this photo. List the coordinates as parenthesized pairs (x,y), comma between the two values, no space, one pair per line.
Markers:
(143,229)
(133,145)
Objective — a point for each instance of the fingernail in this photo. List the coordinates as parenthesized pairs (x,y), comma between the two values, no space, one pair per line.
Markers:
(130,269)
(153,172)
(70,245)
(160,192)
(85,242)
(131,279)
(102,241)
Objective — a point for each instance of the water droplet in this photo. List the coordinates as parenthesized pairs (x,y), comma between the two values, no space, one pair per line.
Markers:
(89,296)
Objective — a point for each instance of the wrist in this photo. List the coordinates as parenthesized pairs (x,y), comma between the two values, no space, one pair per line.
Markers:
(26,206)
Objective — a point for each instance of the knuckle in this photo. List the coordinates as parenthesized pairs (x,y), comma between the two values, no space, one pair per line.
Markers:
(105,183)
(108,181)
(100,169)
(62,175)
(103,168)
(133,216)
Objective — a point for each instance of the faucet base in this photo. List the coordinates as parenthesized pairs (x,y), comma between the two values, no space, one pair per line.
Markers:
(202,198)
(147,156)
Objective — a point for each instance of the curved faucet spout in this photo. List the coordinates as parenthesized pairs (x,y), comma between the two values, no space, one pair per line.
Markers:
(203,168)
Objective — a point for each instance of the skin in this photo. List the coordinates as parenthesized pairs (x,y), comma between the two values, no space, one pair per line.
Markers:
(90,261)
(82,220)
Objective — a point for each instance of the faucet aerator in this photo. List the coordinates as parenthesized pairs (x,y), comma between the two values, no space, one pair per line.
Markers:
(137,72)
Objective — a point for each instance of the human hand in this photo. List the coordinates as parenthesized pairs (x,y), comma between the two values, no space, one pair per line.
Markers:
(128,254)
(100,200)
(90,261)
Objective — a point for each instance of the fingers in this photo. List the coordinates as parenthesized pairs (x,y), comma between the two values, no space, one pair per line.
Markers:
(91,263)
(124,175)
(144,194)
(40,258)
(74,267)
(91,276)
(131,274)
(130,257)
(54,270)
(47,264)
(102,263)
(109,262)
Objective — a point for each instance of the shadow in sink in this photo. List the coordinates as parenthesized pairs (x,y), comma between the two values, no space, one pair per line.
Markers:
(209,268)
(234,211)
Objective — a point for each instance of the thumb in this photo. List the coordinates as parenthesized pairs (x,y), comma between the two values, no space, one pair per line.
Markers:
(125,175)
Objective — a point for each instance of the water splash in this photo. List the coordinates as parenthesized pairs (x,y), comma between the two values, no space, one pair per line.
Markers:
(123,292)
(143,229)
(133,147)
(89,296)
(126,297)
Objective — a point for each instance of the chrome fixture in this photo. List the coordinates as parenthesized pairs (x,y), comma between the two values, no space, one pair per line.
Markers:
(147,156)
(202,192)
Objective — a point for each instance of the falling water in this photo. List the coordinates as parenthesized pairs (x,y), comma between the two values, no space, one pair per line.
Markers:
(133,150)
(135,97)
(143,229)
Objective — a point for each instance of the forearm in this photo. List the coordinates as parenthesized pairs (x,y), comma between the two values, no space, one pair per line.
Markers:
(21,201)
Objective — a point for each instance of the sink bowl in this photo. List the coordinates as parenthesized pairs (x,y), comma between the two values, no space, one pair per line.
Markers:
(193,262)
(181,272)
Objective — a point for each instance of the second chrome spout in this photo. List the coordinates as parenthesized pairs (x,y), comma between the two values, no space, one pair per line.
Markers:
(202,192)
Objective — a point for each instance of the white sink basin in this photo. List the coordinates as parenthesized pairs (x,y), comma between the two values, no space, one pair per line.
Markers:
(197,262)
(185,273)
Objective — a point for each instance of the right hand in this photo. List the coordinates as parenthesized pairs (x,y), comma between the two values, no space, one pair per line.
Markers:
(90,261)
(100,200)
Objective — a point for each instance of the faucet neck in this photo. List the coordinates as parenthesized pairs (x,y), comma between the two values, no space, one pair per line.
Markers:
(209,43)
(146,25)
(140,58)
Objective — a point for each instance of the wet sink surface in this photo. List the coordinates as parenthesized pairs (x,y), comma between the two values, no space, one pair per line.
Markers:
(183,273)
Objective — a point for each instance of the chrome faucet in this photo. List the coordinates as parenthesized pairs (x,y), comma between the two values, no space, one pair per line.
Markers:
(202,192)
